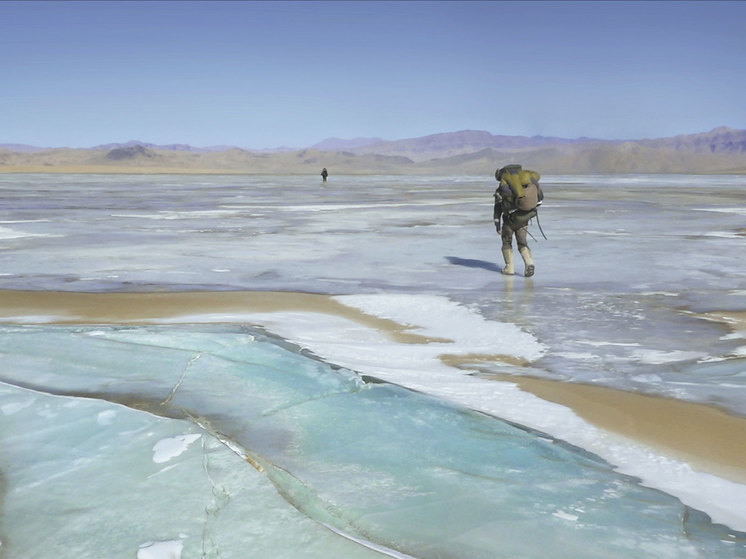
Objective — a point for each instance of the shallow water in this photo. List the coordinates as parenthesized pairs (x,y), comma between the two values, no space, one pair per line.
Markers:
(621,284)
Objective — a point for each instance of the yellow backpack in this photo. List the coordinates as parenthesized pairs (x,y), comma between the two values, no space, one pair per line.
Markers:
(521,185)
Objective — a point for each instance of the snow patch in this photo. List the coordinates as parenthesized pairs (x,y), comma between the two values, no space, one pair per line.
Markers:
(161,550)
(166,449)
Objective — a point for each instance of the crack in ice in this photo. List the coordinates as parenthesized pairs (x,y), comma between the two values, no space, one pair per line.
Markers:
(178,384)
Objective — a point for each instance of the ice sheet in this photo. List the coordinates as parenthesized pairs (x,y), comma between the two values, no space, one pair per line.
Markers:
(74,487)
(622,297)
(419,367)
(388,466)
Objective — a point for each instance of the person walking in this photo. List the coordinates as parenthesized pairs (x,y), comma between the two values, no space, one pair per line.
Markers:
(516,199)
(324,174)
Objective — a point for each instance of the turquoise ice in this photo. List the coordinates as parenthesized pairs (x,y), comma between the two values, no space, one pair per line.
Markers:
(118,438)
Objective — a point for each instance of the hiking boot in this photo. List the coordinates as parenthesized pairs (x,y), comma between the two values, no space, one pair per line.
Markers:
(508,270)
(528,261)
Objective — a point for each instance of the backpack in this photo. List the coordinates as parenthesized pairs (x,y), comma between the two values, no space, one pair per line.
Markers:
(532,197)
(521,185)
(521,188)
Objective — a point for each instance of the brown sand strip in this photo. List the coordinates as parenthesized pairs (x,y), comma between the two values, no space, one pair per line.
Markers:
(65,307)
(735,320)
(706,437)
(470,361)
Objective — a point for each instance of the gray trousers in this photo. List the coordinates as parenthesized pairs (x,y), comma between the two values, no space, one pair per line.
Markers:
(521,236)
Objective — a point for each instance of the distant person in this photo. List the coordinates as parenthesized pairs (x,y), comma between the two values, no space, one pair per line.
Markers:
(516,200)
(324,174)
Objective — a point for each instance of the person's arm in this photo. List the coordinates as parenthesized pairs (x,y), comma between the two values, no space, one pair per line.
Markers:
(497,211)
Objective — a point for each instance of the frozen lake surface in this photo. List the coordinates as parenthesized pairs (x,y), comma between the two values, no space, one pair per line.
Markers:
(198,436)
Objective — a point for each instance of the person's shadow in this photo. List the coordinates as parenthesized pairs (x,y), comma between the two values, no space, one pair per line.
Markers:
(471,263)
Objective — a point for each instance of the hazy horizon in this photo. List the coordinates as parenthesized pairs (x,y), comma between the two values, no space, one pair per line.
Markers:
(351,140)
(262,75)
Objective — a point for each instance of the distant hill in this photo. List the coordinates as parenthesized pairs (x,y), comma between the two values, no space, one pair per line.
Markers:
(166,147)
(130,153)
(339,144)
(455,143)
(471,152)
(21,148)
(719,140)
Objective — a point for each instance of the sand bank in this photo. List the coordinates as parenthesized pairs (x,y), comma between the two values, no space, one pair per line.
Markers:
(735,320)
(65,307)
(708,438)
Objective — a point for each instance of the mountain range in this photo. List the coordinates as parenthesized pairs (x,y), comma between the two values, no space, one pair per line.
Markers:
(467,152)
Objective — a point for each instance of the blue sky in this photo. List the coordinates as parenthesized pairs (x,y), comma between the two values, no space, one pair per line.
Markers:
(269,74)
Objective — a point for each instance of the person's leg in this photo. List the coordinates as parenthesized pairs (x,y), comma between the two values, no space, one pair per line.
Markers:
(521,237)
(507,249)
